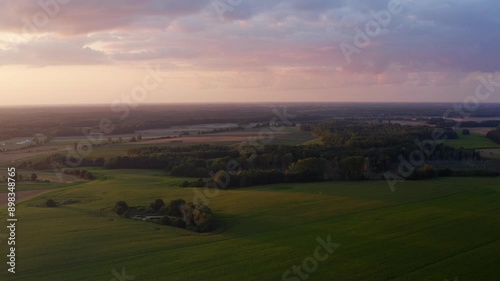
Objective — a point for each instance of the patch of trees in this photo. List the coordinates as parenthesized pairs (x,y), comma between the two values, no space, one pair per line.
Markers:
(59,160)
(82,174)
(221,130)
(494,135)
(365,135)
(50,203)
(178,213)
(136,139)
(198,183)
(442,122)
(20,177)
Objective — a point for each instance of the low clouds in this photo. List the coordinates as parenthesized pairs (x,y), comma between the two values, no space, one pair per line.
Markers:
(431,42)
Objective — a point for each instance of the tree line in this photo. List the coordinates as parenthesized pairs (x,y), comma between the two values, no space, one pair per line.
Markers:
(494,135)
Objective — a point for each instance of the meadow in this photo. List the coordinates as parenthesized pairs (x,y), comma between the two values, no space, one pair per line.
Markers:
(473,141)
(426,230)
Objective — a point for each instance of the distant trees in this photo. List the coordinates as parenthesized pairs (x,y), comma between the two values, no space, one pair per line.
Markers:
(199,183)
(494,135)
(59,160)
(351,150)
(426,172)
(260,177)
(83,174)
(309,169)
(365,135)
(34,177)
(353,168)
(465,132)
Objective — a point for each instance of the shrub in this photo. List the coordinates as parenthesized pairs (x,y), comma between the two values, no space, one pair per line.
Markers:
(165,221)
(157,204)
(121,207)
(51,203)
(175,207)
(180,223)
(198,218)
(192,227)
(163,210)
(203,218)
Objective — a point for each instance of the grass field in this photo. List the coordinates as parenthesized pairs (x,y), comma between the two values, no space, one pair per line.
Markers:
(473,141)
(426,230)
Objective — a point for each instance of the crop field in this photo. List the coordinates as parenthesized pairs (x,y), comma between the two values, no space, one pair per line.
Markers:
(426,230)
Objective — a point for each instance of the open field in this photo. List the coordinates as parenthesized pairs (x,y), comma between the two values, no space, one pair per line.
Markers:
(480,131)
(473,141)
(426,230)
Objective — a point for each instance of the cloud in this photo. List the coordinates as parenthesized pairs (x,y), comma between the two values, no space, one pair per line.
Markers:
(47,51)
(432,42)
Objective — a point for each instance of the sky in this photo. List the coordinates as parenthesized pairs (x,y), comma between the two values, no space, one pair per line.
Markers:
(210,51)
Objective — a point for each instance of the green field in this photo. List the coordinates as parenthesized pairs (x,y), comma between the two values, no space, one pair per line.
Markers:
(426,230)
(473,141)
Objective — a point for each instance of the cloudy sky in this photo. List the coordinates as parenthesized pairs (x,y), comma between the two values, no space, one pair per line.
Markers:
(95,51)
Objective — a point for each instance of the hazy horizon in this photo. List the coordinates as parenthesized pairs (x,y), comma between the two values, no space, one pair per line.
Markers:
(105,105)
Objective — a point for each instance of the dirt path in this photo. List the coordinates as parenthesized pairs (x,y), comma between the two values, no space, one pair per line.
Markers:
(21,196)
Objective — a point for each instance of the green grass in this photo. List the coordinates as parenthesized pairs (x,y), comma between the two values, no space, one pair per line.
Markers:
(426,230)
(473,141)
(316,141)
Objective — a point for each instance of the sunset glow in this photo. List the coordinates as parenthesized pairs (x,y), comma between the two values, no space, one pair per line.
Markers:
(60,52)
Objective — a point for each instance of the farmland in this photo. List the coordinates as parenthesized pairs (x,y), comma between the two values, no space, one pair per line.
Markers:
(426,230)
(298,186)
(473,141)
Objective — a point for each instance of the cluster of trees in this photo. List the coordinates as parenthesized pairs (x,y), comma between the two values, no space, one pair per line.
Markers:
(221,130)
(19,177)
(59,160)
(494,135)
(83,174)
(198,183)
(136,139)
(442,122)
(184,161)
(178,213)
(372,135)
